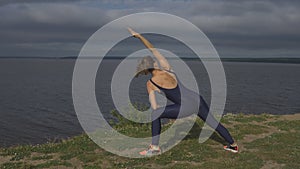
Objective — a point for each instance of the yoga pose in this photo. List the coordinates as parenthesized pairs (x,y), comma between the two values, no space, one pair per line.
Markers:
(164,81)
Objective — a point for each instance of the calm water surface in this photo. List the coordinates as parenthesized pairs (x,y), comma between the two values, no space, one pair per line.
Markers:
(36,94)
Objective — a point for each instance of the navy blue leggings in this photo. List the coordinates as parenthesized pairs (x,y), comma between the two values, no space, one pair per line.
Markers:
(172,111)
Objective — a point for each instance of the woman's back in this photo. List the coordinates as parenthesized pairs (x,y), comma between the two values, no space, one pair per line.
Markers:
(165,79)
(174,90)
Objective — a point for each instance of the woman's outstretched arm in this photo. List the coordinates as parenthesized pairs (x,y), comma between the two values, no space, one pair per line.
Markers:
(161,59)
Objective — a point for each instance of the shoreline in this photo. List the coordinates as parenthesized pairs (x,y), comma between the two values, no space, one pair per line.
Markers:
(261,138)
(294,116)
(292,60)
(59,139)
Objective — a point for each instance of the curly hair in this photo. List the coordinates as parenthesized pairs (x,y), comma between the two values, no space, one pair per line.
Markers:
(145,66)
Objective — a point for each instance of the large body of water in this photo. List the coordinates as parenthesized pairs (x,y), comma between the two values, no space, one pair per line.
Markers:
(36,94)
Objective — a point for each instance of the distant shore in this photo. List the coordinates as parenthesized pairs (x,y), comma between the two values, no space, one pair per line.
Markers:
(263,60)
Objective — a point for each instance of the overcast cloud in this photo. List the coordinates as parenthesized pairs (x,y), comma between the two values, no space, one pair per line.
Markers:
(261,28)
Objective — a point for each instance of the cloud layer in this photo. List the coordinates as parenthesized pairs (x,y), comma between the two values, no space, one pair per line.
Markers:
(255,28)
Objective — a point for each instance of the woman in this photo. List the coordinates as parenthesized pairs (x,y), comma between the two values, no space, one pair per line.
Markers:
(164,81)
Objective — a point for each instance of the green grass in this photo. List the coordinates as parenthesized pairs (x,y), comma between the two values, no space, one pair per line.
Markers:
(43,157)
(14,165)
(241,130)
(284,148)
(274,143)
(246,119)
(52,163)
(286,125)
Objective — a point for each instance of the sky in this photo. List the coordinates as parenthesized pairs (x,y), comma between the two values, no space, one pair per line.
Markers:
(236,28)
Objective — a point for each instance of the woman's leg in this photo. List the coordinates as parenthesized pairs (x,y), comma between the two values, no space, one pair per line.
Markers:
(204,113)
(170,111)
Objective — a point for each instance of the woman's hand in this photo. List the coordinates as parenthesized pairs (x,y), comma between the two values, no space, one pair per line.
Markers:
(133,33)
(161,59)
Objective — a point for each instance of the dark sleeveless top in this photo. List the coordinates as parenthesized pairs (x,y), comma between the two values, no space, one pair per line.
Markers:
(172,94)
(181,95)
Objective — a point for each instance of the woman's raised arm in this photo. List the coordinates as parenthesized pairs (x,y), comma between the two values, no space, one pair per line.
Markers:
(160,58)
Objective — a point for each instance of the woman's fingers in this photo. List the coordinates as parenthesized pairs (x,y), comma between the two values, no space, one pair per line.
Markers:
(129,29)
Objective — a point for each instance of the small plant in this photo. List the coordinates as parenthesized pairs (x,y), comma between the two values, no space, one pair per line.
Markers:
(131,113)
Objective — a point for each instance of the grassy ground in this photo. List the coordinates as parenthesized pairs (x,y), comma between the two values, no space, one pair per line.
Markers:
(265,141)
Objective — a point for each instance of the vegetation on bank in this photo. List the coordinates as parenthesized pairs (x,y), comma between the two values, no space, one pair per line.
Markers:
(266,141)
